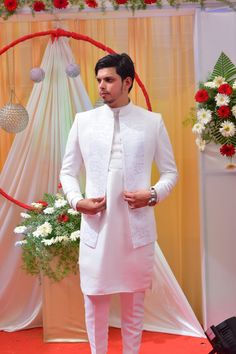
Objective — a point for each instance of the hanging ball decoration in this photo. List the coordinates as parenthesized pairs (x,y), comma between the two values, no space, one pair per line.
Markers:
(72,70)
(37,74)
(13,118)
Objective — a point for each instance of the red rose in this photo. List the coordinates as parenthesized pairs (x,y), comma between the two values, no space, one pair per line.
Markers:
(38,6)
(59,186)
(225,89)
(63,218)
(10,5)
(121,2)
(91,3)
(227,150)
(44,204)
(201,96)
(60,4)
(223,111)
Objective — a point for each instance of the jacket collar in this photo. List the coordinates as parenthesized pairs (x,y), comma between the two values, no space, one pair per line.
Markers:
(123,110)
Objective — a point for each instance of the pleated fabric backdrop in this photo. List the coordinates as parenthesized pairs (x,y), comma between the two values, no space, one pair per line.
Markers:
(38,152)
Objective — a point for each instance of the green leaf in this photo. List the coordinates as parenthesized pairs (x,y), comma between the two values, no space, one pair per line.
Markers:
(224,67)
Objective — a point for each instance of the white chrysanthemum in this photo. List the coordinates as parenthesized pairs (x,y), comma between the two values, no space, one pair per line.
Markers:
(222,100)
(72,212)
(20,229)
(234,85)
(49,210)
(59,196)
(219,80)
(25,215)
(37,205)
(227,129)
(48,242)
(20,243)
(198,128)
(210,84)
(201,144)
(59,239)
(59,203)
(75,235)
(43,230)
(234,111)
(204,116)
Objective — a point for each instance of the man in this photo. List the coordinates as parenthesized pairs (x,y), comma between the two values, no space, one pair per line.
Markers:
(117,144)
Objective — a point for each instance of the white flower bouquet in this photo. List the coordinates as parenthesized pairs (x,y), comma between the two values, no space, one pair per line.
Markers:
(50,242)
(215,119)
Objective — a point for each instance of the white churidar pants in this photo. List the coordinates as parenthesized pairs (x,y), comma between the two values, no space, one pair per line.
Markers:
(97,319)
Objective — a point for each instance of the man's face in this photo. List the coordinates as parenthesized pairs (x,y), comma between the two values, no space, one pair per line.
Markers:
(112,89)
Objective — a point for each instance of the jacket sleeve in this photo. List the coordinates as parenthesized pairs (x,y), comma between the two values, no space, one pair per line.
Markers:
(165,162)
(71,166)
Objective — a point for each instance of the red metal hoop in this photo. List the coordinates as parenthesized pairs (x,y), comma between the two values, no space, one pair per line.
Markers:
(56,34)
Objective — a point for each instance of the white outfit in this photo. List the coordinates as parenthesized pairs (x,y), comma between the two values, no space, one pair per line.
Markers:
(117,245)
(144,139)
(114,266)
(97,315)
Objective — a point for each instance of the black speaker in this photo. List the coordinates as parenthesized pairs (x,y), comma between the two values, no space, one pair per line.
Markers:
(223,337)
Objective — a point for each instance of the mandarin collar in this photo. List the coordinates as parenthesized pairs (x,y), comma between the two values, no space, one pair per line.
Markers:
(123,110)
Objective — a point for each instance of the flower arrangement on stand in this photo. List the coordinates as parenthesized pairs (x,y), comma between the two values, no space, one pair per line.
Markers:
(215,118)
(50,242)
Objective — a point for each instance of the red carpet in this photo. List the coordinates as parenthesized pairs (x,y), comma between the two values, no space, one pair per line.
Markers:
(31,342)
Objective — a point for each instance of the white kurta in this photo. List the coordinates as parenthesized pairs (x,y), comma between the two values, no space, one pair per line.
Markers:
(114,266)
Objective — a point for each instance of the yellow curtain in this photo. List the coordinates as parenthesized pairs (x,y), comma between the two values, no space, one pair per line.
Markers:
(162,49)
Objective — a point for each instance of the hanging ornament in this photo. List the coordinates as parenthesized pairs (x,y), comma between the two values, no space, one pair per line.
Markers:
(13,117)
(72,70)
(37,74)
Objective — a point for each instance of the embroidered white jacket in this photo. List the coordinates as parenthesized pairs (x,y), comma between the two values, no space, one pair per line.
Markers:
(144,139)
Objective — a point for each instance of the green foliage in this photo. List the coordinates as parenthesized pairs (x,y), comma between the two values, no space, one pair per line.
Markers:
(225,68)
(50,245)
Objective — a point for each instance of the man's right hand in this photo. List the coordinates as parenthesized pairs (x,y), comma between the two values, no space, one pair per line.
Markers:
(91,206)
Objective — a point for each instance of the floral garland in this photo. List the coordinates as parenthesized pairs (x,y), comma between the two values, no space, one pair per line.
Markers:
(215,119)
(9,7)
(51,237)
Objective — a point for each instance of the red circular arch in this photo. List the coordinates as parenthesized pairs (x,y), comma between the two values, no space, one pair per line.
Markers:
(56,34)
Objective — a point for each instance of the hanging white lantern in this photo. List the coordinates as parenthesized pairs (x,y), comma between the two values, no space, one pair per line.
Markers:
(72,70)
(13,118)
(37,74)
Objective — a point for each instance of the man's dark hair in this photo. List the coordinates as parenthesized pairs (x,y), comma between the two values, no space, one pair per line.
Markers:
(121,62)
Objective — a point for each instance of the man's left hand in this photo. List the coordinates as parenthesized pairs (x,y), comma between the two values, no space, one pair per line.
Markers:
(138,199)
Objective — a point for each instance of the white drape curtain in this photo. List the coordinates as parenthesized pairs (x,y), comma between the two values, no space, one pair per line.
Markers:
(31,169)
(215,32)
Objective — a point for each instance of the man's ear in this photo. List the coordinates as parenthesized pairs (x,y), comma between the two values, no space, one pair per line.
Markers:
(128,82)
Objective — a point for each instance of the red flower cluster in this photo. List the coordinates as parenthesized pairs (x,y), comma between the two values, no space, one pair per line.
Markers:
(92,3)
(121,2)
(225,89)
(10,5)
(44,204)
(201,96)
(223,112)
(63,218)
(60,4)
(38,6)
(149,2)
(227,150)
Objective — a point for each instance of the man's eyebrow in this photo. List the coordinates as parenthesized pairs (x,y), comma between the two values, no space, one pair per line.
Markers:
(106,77)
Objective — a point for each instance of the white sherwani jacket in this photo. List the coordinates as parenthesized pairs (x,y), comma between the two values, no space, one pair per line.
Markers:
(144,139)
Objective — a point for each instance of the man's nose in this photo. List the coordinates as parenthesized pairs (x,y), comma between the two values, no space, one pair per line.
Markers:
(102,84)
